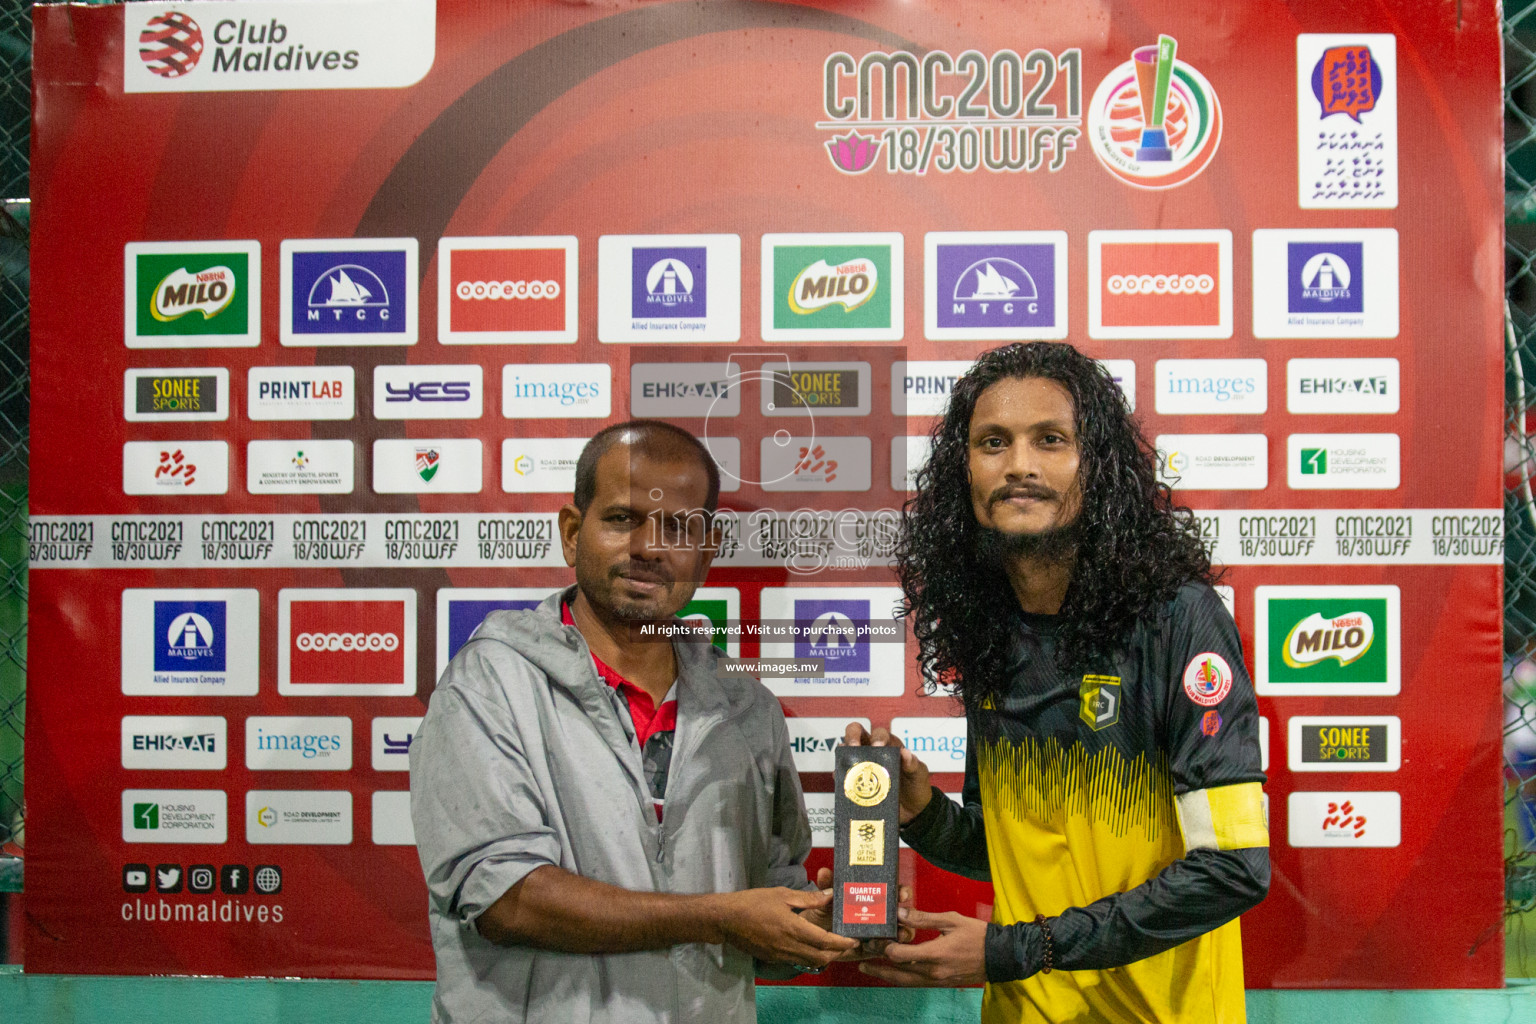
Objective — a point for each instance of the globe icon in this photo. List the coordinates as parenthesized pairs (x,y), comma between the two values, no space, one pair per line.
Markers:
(268,879)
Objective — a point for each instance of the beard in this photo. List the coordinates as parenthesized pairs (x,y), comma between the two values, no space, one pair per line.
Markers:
(1054,545)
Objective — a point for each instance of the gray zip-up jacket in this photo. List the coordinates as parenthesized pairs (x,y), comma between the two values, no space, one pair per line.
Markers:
(525,758)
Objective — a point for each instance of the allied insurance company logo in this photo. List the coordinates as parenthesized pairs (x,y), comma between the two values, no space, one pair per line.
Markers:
(171,44)
(1325,277)
(189,636)
(1154,121)
(829,630)
(669,282)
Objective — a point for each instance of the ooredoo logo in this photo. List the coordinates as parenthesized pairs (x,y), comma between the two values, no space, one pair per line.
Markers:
(359,642)
(1160,284)
(494,290)
(171,44)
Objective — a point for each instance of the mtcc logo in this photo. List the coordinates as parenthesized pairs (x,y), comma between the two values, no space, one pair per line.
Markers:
(1161,284)
(347,641)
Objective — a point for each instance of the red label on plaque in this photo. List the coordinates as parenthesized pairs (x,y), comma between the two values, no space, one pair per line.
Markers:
(863,903)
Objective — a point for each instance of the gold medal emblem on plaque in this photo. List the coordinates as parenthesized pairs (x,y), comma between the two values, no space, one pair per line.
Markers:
(866,783)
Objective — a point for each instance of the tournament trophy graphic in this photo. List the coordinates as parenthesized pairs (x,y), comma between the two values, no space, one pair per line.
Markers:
(864,855)
(1154,71)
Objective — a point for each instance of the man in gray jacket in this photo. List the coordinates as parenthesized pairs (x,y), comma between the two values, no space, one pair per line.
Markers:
(611,832)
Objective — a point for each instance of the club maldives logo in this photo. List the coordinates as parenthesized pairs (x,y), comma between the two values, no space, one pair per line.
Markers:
(1325,277)
(171,44)
(1155,122)
(669,282)
(352,292)
(513,290)
(829,630)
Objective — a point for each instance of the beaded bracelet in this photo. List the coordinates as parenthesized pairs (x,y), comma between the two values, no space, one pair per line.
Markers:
(1050,945)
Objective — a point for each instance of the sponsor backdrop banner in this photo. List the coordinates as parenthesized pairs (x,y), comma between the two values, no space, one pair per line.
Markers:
(328,296)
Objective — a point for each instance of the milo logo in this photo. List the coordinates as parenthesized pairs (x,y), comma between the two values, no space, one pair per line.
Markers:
(1345,638)
(180,292)
(849,284)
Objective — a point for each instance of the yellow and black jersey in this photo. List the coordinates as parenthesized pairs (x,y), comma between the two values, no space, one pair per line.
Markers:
(1124,804)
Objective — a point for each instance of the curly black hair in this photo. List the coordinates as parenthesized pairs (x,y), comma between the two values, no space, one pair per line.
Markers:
(1134,547)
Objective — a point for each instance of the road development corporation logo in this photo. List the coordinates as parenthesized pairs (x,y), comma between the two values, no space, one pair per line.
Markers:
(346,642)
(832,287)
(174,742)
(849,629)
(1344,743)
(553,391)
(348,291)
(1343,820)
(672,288)
(813,741)
(189,642)
(417,392)
(1327,641)
(540,465)
(392,742)
(995,284)
(1154,121)
(168,395)
(1213,462)
(298,817)
(1211,386)
(460,610)
(1160,284)
(298,744)
(1325,283)
(174,816)
(301,393)
(509,290)
(1327,386)
(208,47)
(1346,121)
(192,294)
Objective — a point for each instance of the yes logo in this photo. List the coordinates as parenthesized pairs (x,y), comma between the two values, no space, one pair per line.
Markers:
(1325,641)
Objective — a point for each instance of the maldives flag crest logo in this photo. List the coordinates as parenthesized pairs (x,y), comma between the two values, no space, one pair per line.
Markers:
(427,462)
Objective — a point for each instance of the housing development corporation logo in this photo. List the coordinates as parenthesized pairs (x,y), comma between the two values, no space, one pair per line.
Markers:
(349,292)
(1154,122)
(1327,640)
(171,44)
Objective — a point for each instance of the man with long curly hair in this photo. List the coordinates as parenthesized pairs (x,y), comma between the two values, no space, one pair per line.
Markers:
(1112,786)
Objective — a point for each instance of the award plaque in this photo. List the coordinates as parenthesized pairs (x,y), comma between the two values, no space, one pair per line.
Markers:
(864,856)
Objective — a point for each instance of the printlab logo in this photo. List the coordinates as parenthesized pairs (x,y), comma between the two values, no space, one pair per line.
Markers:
(189,636)
(996,286)
(1155,122)
(1326,277)
(829,630)
(669,282)
(349,293)
(171,44)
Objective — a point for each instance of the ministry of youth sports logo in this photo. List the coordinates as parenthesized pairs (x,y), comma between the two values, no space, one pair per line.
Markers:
(171,44)
(1154,122)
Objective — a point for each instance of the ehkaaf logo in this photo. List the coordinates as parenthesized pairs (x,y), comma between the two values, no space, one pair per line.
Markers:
(359,291)
(1160,284)
(1154,122)
(174,742)
(514,290)
(832,287)
(209,47)
(830,630)
(669,282)
(192,294)
(995,284)
(1316,641)
(350,641)
(1326,277)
